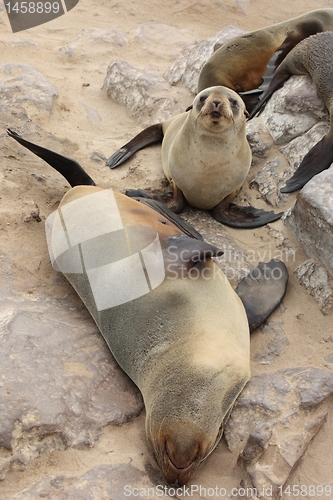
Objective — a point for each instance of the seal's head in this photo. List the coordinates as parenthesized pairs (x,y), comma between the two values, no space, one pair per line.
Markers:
(199,404)
(218,107)
(182,439)
(180,449)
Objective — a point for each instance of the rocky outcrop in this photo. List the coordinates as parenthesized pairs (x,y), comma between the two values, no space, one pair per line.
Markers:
(274,420)
(146,94)
(311,219)
(59,384)
(23,89)
(186,68)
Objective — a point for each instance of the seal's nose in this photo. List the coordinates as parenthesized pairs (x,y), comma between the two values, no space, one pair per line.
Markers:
(217,102)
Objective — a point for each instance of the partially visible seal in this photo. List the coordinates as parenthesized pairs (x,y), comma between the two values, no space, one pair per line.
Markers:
(314,57)
(174,325)
(247,62)
(206,156)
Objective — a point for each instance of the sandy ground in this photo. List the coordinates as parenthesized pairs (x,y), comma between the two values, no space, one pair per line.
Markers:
(305,327)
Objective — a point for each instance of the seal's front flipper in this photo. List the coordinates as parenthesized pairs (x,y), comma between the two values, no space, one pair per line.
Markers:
(262,290)
(148,136)
(70,169)
(243,217)
(138,193)
(182,254)
(184,226)
(319,158)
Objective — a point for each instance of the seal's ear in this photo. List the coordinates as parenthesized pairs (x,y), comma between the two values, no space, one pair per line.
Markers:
(181,253)
(189,108)
(246,113)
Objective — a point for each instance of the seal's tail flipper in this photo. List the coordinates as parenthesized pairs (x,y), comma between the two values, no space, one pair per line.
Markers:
(70,169)
(262,290)
(319,158)
(148,136)
(243,217)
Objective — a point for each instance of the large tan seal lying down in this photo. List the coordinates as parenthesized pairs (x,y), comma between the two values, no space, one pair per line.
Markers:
(167,312)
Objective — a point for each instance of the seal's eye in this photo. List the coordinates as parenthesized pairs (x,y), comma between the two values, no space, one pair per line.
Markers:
(202,100)
(233,102)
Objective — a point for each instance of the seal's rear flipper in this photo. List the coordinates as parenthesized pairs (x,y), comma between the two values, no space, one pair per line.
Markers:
(148,136)
(243,217)
(251,98)
(319,158)
(70,169)
(262,290)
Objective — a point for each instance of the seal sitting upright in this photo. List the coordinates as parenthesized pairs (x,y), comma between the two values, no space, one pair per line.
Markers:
(165,309)
(206,156)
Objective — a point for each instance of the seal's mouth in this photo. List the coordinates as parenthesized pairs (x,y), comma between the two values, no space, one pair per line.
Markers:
(180,471)
(217,110)
(183,464)
(216,114)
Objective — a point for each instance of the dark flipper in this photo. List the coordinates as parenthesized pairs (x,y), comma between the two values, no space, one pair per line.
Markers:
(251,98)
(277,81)
(182,254)
(70,169)
(262,290)
(178,198)
(148,136)
(319,158)
(184,226)
(138,193)
(243,217)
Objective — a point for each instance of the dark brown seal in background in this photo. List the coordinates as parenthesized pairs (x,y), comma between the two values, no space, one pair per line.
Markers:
(313,56)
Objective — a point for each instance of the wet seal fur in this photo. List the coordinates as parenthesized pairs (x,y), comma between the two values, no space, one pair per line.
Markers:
(206,156)
(313,56)
(186,342)
(247,62)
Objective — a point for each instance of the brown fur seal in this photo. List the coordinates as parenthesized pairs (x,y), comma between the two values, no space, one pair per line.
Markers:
(243,62)
(206,156)
(174,324)
(314,57)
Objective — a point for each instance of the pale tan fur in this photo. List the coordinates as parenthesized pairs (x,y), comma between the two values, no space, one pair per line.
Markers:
(205,157)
